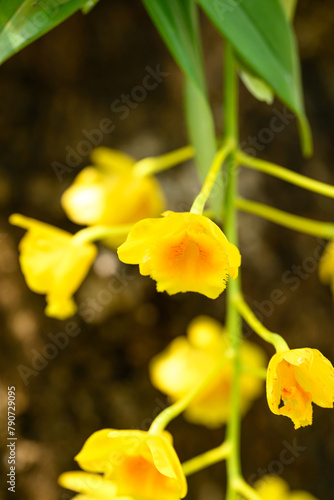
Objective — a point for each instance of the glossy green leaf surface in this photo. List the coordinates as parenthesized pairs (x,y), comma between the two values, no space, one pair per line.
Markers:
(23,21)
(264,40)
(176,21)
(177,24)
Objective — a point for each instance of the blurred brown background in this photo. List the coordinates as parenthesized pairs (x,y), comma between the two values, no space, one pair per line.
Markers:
(50,92)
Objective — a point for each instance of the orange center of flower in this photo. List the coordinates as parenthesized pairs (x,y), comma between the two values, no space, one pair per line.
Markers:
(140,478)
(295,401)
(187,255)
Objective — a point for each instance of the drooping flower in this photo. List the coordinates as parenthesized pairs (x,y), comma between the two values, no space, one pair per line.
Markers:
(326,266)
(111,193)
(296,379)
(182,252)
(127,465)
(53,263)
(275,488)
(186,362)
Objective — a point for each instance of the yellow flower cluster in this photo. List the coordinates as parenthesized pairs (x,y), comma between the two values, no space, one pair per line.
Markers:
(188,360)
(127,465)
(53,261)
(181,251)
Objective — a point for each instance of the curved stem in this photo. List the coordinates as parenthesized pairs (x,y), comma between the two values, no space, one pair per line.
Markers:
(86,235)
(173,411)
(286,175)
(246,491)
(153,165)
(301,224)
(94,233)
(201,199)
(305,135)
(273,338)
(206,459)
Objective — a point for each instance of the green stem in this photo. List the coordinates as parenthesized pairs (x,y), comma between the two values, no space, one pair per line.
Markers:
(206,459)
(285,174)
(153,165)
(273,338)
(86,235)
(201,199)
(95,233)
(245,490)
(173,411)
(305,135)
(301,224)
(233,324)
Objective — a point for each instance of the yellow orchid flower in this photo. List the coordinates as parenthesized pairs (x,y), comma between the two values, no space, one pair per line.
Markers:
(183,252)
(53,263)
(111,193)
(188,360)
(295,379)
(275,488)
(326,266)
(127,465)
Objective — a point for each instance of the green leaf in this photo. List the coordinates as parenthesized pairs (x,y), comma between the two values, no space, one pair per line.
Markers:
(88,5)
(177,24)
(257,87)
(289,7)
(264,40)
(23,21)
(201,132)
(176,21)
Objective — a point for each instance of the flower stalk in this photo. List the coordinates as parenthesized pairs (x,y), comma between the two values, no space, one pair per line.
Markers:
(285,174)
(232,316)
(95,233)
(245,490)
(202,198)
(295,222)
(206,459)
(173,411)
(275,339)
(153,165)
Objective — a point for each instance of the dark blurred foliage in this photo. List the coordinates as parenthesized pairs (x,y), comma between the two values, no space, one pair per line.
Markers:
(66,83)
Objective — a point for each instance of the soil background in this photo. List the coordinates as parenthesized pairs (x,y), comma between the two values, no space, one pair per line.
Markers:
(50,93)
